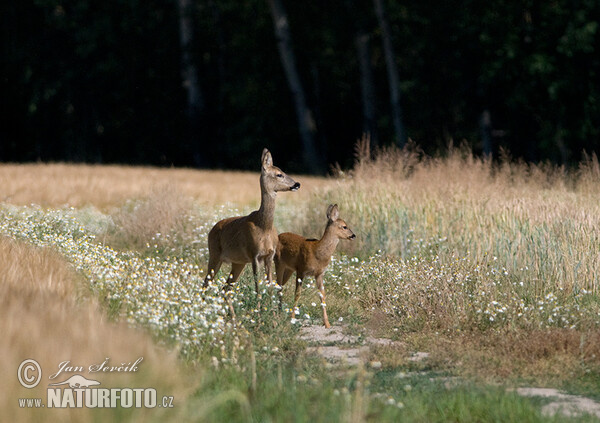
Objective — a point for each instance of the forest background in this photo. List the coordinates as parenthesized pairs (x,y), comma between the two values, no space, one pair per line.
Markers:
(210,83)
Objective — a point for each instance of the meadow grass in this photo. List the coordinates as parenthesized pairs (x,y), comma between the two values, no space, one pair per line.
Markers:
(490,267)
(108,186)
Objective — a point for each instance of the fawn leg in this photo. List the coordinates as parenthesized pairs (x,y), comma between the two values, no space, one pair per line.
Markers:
(297,294)
(283,275)
(319,280)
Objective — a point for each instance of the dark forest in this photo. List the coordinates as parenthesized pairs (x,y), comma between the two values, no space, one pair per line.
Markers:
(210,83)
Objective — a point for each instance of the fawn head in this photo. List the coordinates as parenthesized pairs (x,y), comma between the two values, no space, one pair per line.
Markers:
(340,227)
(274,179)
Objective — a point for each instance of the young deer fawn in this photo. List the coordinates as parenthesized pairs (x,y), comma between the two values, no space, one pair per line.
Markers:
(252,238)
(310,257)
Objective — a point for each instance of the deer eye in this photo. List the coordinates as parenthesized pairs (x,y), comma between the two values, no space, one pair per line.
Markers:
(279,175)
(344,227)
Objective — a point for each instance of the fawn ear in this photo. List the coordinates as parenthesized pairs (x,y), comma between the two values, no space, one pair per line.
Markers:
(267,160)
(332,212)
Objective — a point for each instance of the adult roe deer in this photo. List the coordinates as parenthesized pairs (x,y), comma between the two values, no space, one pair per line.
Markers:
(310,257)
(253,238)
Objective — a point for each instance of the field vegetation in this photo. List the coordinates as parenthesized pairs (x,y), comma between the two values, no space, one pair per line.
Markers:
(490,267)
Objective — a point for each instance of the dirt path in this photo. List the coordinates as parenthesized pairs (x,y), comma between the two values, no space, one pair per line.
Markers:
(340,348)
(333,345)
(337,347)
(567,405)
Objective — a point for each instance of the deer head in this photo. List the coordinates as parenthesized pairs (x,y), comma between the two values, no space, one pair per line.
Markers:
(273,179)
(339,226)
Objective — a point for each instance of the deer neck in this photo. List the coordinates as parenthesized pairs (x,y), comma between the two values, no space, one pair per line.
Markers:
(327,244)
(266,212)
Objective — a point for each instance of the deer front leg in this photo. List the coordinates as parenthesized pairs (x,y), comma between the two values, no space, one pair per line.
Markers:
(319,279)
(255,272)
(297,294)
(269,271)
(269,266)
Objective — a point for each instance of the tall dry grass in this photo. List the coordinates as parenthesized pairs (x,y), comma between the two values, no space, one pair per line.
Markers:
(540,221)
(472,250)
(163,216)
(46,315)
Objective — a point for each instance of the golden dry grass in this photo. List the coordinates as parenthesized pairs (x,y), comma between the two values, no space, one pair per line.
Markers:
(163,211)
(46,315)
(74,185)
(539,217)
(550,357)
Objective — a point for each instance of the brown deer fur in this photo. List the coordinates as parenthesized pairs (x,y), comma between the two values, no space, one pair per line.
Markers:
(253,238)
(310,257)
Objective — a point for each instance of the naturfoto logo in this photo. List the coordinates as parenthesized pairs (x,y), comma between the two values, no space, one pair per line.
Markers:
(77,381)
(77,391)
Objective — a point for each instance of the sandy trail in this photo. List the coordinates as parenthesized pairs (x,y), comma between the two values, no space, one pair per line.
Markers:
(337,347)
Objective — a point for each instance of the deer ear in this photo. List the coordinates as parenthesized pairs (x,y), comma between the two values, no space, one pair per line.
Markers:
(267,160)
(333,213)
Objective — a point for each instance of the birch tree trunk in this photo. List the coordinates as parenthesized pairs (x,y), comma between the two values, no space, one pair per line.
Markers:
(189,77)
(306,122)
(393,74)
(367,86)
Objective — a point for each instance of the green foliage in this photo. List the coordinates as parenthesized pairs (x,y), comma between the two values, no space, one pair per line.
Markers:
(89,81)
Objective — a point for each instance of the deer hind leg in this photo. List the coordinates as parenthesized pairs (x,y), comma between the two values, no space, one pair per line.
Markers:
(269,266)
(268,262)
(255,262)
(319,280)
(214,264)
(236,271)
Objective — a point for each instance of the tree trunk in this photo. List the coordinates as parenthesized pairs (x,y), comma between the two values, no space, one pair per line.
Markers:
(217,110)
(367,86)
(320,137)
(189,76)
(560,144)
(485,126)
(392,71)
(306,122)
